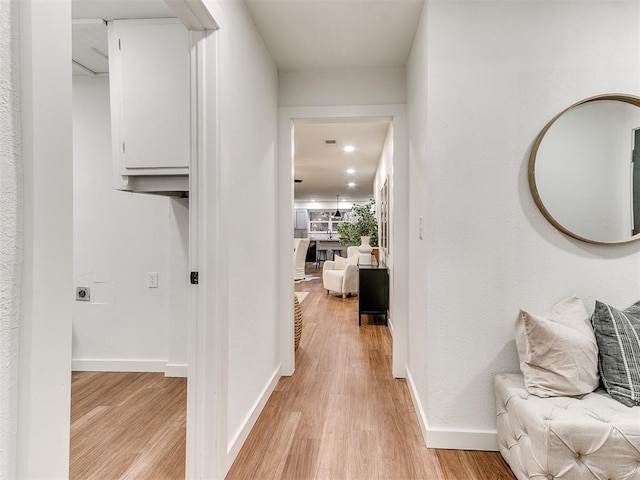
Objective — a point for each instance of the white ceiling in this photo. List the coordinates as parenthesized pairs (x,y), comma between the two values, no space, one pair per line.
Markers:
(330,34)
(300,35)
(89,32)
(89,47)
(323,168)
(304,34)
(334,34)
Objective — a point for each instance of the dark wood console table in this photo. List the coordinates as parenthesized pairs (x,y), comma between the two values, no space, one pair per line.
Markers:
(373,291)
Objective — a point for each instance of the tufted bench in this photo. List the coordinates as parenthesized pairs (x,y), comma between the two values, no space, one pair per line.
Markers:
(589,437)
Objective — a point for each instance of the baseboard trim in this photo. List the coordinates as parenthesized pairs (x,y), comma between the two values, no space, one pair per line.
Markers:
(90,365)
(483,440)
(417,404)
(450,439)
(233,448)
(175,370)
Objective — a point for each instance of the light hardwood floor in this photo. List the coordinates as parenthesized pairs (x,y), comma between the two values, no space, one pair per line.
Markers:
(340,416)
(127,425)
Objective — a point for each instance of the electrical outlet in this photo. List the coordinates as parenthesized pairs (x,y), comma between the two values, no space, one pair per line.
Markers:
(152,279)
(83,294)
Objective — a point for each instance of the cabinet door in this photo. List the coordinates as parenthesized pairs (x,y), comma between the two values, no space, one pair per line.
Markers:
(301,219)
(373,295)
(152,103)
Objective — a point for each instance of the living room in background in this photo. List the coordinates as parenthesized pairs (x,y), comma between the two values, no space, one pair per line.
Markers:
(394,151)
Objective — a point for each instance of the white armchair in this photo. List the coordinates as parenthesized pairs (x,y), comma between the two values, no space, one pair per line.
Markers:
(341,274)
(300,247)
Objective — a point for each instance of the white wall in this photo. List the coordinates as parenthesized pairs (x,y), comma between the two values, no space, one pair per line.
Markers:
(45,328)
(483,79)
(118,238)
(250,218)
(11,209)
(178,286)
(244,281)
(358,86)
(384,173)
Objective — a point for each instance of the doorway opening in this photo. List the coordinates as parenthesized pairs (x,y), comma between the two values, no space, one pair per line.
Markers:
(337,165)
(131,332)
(387,173)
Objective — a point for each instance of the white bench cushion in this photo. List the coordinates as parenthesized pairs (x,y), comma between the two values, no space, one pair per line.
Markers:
(591,436)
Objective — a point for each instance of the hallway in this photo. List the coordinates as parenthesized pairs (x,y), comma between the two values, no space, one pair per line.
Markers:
(342,415)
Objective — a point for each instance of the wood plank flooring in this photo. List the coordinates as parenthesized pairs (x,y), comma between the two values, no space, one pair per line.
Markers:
(127,425)
(342,415)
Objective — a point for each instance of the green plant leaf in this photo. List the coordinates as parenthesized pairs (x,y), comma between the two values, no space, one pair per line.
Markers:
(364,224)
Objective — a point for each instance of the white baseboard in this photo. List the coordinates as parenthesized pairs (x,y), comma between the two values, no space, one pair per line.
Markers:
(92,365)
(233,448)
(450,439)
(175,370)
(417,404)
(484,440)
(153,366)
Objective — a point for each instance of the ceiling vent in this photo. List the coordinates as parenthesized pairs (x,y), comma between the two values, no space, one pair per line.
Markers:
(330,142)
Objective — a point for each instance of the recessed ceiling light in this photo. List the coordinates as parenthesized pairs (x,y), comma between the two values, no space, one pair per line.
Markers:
(351,170)
(349,148)
(351,184)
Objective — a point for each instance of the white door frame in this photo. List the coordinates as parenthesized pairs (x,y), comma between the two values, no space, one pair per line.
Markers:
(206,455)
(399,214)
(205,438)
(206,381)
(45,220)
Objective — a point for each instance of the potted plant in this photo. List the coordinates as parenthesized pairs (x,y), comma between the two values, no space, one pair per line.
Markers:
(364,224)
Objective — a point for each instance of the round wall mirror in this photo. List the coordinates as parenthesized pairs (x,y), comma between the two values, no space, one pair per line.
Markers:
(584,170)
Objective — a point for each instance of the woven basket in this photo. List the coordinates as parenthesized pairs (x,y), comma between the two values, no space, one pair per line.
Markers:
(297,324)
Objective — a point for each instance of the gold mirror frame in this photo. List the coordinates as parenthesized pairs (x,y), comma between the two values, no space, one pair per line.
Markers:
(618,97)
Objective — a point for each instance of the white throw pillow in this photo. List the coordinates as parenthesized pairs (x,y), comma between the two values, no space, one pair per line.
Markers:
(558,350)
(340,263)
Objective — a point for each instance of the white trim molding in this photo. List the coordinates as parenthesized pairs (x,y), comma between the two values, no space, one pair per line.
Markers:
(43,32)
(417,404)
(453,439)
(178,370)
(235,444)
(207,383)
(483,440)
(121,365)
(194,14)
(147,366)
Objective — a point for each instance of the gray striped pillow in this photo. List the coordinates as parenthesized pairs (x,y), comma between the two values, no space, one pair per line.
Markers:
(618,336)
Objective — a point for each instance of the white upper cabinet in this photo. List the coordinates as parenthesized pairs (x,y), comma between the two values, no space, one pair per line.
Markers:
(301,219)
(150,103)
